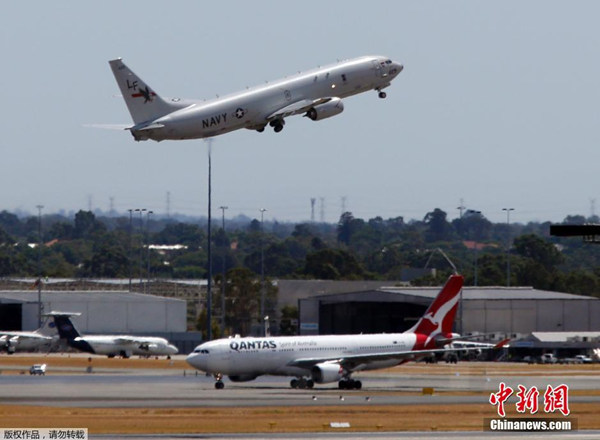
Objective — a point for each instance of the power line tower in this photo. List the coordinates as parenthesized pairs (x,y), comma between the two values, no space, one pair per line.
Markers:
(312,209)
(344,198)
(168,204)
(322,214)
(461,207)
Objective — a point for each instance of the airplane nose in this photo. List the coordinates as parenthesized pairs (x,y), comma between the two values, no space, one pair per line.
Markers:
(195,360)
(399,66)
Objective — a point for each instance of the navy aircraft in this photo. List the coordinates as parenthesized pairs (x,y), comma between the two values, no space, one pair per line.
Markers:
(326,359)
(317,94)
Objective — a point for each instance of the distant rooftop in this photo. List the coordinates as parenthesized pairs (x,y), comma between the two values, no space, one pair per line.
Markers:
(489,293)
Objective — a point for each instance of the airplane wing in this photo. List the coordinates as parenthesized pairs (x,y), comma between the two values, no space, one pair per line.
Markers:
(352,362)
(14,337)
(296,108)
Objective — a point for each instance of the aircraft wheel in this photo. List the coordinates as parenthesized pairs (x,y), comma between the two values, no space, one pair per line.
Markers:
(343,384)
(278,128)
(294,383)
(261,129)
(219,385)
(310,383)
(357,384)
(382,95)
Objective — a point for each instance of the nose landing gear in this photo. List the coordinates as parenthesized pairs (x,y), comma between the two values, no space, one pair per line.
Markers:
(219,385)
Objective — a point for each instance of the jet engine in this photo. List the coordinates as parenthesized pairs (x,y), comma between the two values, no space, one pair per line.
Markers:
(327,372)
(242,377)
(326,110)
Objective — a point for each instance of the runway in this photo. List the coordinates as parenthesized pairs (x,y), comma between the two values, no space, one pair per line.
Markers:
(158,389)
(177,390)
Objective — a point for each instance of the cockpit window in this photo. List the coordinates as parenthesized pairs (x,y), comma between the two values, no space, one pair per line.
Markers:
(388,62)
(201,350)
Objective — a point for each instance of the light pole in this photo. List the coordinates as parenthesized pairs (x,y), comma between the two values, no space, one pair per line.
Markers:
(148,251)
(223,208)
(39,281)
(141,211)
(508,244)
(130,244)
(262,265)
(209,281)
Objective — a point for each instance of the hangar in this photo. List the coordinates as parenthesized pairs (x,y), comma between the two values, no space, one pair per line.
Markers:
(505,311)
(101,311)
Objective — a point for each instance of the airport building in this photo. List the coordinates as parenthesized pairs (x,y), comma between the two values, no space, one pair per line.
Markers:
(102,312)
(503,311)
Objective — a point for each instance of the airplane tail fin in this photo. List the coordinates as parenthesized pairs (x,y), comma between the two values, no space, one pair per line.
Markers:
(48,327)
(66,329)
(439,316)
(143,103)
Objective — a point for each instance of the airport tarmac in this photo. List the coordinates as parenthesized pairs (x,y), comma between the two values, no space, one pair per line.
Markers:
(156,389)
(176,390)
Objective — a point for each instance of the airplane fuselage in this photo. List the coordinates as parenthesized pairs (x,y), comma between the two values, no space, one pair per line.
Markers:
(256,107)
(113,346)
(275,355)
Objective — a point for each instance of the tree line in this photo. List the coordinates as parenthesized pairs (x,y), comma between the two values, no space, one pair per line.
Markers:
(87,246)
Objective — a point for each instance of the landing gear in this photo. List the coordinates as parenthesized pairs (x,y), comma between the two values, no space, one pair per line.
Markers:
(382,95)
(277,124)
(219,385)
(261,128)
(302,383)
(349,384)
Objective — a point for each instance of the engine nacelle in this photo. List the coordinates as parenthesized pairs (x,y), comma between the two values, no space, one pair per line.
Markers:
(326,110)
(325,373)
(242,377)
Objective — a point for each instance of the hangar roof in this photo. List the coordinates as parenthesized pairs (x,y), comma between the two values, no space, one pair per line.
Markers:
(86,296)
(490,293)
(562,336)
(469,293)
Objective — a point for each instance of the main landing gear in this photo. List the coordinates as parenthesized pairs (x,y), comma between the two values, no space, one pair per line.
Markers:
(349,384)
(302,383)
(277,124)
(382,95)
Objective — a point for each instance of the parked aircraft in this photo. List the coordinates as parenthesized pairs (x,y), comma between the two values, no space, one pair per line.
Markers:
(110,345)
(317,94)
(325,359)
(40,339)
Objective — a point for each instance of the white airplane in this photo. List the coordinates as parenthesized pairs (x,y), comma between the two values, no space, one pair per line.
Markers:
(110,345)
(42,338)
(325,359)
(317,94)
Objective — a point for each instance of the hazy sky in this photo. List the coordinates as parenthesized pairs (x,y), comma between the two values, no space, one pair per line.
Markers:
(498,105)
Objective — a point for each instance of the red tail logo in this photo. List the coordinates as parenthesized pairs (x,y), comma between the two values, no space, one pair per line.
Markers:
(439,317)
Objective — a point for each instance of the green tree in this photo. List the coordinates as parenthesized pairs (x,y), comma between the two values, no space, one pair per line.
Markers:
(333,264)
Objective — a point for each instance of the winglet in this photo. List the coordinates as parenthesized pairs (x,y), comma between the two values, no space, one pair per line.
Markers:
(501,344)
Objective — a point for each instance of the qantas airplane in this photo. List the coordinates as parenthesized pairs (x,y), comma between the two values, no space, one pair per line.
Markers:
(325,359)
(317,94)
(110,345)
